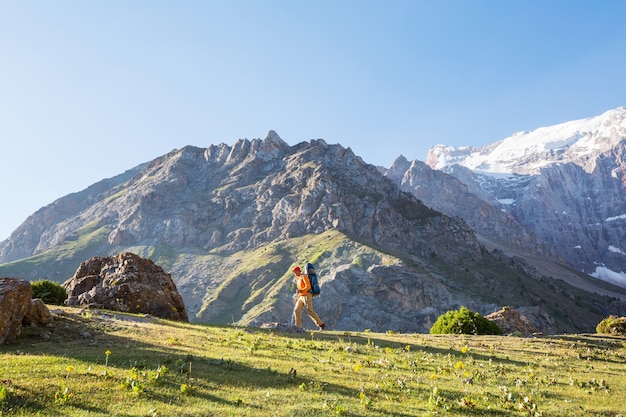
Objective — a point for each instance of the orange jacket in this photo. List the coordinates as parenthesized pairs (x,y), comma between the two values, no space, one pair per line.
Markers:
(303,284)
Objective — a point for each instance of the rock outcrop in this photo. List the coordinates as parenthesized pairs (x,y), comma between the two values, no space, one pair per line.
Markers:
(524,321)
(453,196)
(38,314)
(127,283)
(15,296)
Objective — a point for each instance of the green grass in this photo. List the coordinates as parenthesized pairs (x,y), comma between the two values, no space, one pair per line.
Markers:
(66,257)
(139,367)
(254,280)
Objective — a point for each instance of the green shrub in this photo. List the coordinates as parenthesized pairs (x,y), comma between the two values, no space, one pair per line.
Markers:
(50,292)
(612,325)
(464,321)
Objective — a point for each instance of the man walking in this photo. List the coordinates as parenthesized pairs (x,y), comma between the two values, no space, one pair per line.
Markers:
(304,299)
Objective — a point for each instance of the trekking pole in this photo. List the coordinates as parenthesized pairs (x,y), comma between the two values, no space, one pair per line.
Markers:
(292,313)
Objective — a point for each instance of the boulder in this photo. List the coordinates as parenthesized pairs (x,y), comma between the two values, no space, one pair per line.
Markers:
(525,321)
(15,295)
(512,322)
(126,283)
(38,313)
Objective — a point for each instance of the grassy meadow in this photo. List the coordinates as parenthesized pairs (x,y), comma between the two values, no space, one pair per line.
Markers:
(107,364)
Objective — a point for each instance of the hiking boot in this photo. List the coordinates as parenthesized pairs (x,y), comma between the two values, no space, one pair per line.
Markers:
(322,326)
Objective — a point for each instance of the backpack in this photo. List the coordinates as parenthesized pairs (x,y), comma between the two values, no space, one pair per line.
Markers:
(309,270)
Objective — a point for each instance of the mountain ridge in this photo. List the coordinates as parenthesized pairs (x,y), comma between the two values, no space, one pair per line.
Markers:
(228,222)
(579,141)
(562,183)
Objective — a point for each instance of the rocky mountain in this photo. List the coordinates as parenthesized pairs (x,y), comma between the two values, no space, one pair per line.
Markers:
(229,222)
(557,190)
(446,193)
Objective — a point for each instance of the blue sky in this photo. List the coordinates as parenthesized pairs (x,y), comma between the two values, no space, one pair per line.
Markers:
(89,89)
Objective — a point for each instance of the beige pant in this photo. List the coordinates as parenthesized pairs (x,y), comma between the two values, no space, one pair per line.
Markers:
(305,301)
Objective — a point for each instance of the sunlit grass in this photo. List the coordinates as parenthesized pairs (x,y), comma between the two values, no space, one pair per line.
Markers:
(101,366)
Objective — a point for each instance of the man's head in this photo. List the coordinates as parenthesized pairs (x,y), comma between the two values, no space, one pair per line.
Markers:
(297,270)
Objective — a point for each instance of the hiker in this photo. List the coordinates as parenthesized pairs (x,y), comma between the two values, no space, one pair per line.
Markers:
(304,299)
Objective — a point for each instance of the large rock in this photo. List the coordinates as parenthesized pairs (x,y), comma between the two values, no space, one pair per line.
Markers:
(38,313)
(127,283)
(15,295)
(525,321)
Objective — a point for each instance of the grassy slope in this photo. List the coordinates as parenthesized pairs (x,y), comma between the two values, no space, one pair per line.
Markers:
(256,278)
(160,368)
(240,282)
(60,263)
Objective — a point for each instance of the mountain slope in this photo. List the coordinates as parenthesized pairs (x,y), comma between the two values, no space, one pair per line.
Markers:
(563,183)
(449,195)
(229,222)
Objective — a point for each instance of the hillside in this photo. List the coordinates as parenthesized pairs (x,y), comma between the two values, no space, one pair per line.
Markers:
(229,223)
(563,184)
(104,364)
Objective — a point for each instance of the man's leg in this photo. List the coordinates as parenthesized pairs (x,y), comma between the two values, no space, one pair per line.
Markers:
(297,311)
(310,312)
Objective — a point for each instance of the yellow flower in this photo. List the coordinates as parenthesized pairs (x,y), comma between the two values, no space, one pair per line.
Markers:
(464,349)
(108,352)
(69,368)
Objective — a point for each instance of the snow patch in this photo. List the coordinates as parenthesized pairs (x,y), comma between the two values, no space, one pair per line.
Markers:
(506,201)
(611,219)
(614,173)
(616,250)
(605,274)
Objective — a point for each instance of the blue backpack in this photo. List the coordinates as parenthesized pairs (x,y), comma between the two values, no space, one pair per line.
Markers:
(309,270)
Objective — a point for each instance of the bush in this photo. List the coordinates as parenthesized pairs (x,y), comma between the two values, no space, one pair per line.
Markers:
(612,325)
(50,292)
(464,321)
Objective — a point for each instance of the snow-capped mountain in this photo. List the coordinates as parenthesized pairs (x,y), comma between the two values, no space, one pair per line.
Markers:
(581,142)
(564,183)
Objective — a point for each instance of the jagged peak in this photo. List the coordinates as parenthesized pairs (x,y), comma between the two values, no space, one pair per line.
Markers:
(397,169)
(401,158)
(271,147)
(400,162)
(272,136)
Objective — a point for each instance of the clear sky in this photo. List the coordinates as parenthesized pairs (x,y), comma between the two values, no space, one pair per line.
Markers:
(89,89)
